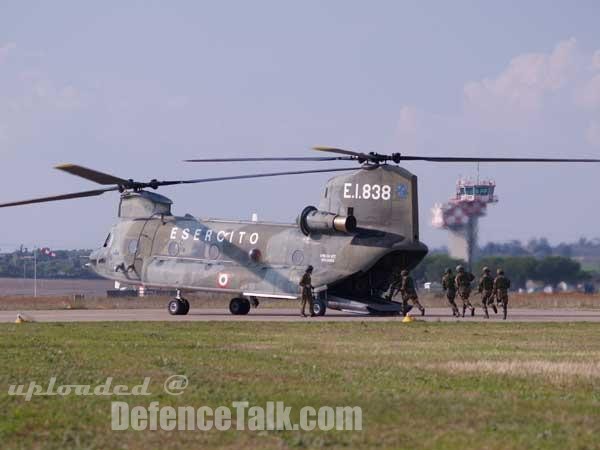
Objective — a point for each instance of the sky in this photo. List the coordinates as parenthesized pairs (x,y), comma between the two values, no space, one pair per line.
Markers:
(135,87)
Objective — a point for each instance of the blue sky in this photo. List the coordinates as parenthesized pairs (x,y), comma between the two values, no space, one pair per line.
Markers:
(133,88)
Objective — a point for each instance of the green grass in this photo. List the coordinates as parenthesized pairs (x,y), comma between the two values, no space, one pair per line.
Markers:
(420,385)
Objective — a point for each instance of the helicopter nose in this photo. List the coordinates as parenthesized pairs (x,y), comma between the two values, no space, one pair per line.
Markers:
(95,258)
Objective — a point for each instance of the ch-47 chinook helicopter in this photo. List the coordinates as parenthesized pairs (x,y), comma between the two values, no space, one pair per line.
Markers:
(364,230)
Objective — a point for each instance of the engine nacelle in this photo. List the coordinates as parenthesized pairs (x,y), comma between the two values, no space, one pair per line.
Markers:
(312,220)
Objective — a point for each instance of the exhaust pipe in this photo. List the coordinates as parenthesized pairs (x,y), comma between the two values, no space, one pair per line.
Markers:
(312,220)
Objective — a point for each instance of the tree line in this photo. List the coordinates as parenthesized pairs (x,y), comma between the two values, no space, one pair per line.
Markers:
(550,270)
(64,264)
(541,248)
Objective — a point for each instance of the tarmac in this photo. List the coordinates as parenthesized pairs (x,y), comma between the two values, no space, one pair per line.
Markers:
(287,315)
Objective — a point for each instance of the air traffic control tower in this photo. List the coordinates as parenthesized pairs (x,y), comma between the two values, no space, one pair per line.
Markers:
(460,216)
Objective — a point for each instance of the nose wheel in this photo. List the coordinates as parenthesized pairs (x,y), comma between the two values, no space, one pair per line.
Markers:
(179,306)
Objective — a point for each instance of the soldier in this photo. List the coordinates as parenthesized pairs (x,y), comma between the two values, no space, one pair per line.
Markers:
(486,289)
(463,282)
(408,291)
(395,285)
(307,291)
(501,286)
(449,286)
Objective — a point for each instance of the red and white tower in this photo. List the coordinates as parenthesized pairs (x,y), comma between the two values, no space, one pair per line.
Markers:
(461,216)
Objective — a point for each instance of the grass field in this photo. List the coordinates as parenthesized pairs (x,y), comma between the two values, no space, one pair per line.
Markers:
(420,385)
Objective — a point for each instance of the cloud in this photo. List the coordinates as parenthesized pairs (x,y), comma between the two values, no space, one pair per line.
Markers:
(65,98)
(593,133)
(589,95)
(5,49)
(524,84)
(32,101)
(542,94)
(407,123)
(39,93)
(596,60)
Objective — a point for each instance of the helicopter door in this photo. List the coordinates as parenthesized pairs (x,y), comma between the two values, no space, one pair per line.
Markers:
(139,245)
(145,244)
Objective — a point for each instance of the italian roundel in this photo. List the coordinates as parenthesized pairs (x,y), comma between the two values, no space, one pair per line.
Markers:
(223,280)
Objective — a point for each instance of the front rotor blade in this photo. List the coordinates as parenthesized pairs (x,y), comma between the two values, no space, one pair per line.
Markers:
(255,175)
(469,159)
(92,175)
(60,197)
(291,158)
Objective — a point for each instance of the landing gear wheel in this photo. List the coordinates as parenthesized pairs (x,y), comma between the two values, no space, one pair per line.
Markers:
(177,307)
(186,307)
(318,307)
(239,306)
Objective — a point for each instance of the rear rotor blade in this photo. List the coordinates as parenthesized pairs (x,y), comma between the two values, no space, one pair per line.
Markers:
(92,175)
(291,158)
(60,197)
(341,151)
(255,175)
(475,159)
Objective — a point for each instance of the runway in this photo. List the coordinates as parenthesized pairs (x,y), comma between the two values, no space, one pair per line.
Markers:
(287,315)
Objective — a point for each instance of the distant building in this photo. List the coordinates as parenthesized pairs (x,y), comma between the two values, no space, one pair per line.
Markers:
(460,216)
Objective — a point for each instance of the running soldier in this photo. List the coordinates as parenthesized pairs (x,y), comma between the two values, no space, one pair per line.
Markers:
(449,286)
(486,289)
(501,286)
(307,292)
(395,285)
(463,282)
(408,291)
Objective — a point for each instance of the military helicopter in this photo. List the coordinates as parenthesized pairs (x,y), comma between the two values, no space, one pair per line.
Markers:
(365,229)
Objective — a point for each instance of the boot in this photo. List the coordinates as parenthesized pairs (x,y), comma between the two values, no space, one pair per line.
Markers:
(464,310)
(505,311)
(494,308)
(472,311)
(422,311)
(485,312)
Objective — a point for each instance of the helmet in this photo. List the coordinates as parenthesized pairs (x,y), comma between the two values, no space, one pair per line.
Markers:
(460,269)
(309,268)
(486,269)
(500,272)
(448,270)
(404,273)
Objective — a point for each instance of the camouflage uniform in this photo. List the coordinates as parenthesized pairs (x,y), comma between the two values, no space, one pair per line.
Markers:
(449,286)
(486,289)
(501,286)
(463,281)
(395,285)
(408,291)
(307,296)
